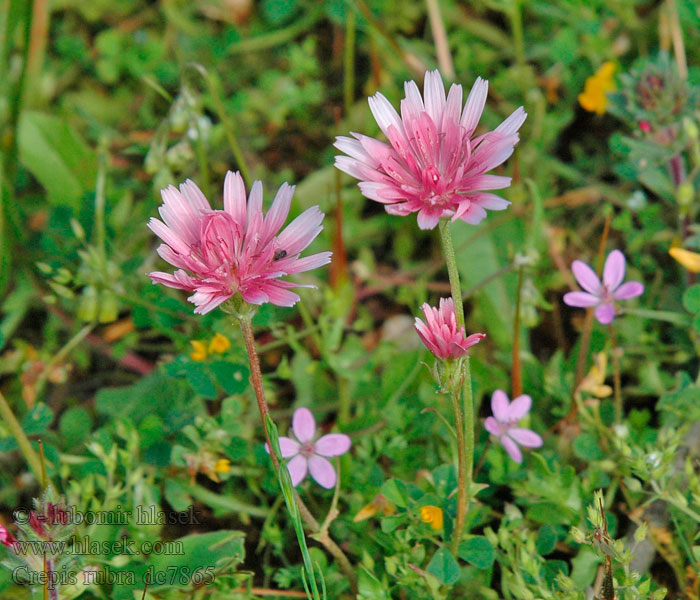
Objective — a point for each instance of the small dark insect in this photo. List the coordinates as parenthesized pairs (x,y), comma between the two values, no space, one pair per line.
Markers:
(280,254)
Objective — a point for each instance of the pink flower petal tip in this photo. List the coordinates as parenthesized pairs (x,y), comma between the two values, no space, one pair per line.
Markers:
(603,295)
(434,164)
(219,253)
(310,455)
(440,333)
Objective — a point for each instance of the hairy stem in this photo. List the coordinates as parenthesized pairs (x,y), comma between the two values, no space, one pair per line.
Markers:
(256,379)
(462,401)
(448,252)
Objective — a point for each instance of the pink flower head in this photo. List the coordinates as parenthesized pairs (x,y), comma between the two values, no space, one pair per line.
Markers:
(236,249)
(309,455)
(503,424)
(434,164)
(6,538)
(603,295)
(441,334)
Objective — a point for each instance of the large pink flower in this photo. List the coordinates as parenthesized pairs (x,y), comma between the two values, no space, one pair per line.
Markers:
(441,335)
(308,455)
(504,424)
(603,295)
(434,164)
(235,249)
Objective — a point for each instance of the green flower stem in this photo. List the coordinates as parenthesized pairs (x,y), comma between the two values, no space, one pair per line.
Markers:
(462,469)
(452,272)
(295,505)
(23,442)
(462,401)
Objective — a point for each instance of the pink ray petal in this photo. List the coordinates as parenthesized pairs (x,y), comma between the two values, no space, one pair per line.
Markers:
(499,406)
(322,471)
(519,407)
(512,449)
(332,444)
(303,425)
(630,289)
(605,313)
(614,270)
(525,437)
(491,425)
(586,277)
(297,469)
(581,299)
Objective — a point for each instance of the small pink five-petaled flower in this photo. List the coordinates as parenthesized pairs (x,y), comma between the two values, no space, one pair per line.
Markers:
(311,455)
(441,334)
(603,295)
(504,422)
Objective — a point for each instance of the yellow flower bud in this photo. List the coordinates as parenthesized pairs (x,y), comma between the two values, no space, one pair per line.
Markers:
(690,260)
(432,515)
(199,350)
(223,465)
(219,344)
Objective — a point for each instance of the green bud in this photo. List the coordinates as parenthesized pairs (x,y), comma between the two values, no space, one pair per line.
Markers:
(691,128)
(578,535)
(640,533)
(109,307)
(77,228)
(87,309)
(685,193)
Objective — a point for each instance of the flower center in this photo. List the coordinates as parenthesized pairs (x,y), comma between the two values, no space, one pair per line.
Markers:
(307,449)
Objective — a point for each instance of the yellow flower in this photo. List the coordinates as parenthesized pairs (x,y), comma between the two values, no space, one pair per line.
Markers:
(223,465)
(690,260)
(593,97)
(432,515)
(380,503)
(219,344)
(594,382)
(199,350)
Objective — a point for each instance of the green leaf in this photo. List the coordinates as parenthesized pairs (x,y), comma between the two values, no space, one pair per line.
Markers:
(479,257)
(549,513)
(37,420)
(278,12)
(57,156)
(546,540)
(477,551)
(200,379)
(444,566)
(230,376)
(370,588)
(198,552)
(691,299)
(586,447)
(396,492)
(75,425)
